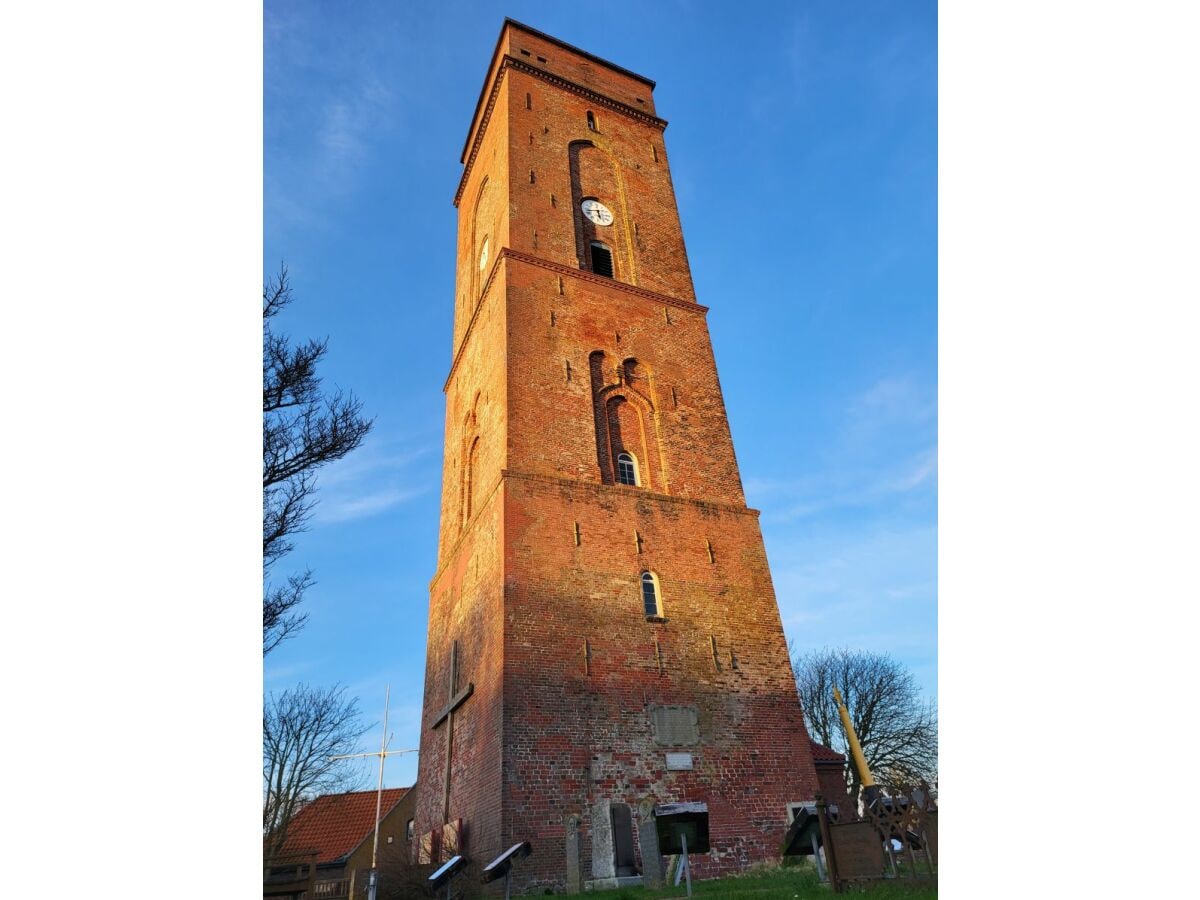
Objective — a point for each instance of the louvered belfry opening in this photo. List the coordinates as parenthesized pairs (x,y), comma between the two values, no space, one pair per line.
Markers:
(602,263)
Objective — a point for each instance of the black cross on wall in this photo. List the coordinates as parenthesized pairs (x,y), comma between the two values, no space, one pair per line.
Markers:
(447,715)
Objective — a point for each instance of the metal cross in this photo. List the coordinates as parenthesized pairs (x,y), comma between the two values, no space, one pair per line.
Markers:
(454,701)
(383,752)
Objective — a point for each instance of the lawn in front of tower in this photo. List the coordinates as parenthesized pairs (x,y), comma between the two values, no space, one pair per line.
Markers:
(788,883)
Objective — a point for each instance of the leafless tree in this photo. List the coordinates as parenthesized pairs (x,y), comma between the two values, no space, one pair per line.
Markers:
(302,728)
(895,726)
(303,429)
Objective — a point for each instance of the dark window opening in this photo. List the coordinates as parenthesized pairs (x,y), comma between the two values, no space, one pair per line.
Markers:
(602,262)
(591,119)
(541,59)
(524,52)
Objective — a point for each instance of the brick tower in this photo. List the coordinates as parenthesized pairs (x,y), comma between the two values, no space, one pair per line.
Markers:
(603,632)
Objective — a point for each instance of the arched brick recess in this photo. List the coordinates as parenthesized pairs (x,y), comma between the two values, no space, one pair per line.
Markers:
(594,173)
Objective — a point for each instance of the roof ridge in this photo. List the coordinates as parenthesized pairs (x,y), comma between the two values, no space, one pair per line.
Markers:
(367,791)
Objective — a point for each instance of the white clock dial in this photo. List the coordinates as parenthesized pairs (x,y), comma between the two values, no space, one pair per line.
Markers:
(483,255)
(597,212)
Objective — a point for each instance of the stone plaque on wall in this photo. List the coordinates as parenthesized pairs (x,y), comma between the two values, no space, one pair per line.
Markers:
(675,726)
(679,762)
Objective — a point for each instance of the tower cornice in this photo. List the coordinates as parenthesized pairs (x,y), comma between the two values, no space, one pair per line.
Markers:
(579,274)
(511,62)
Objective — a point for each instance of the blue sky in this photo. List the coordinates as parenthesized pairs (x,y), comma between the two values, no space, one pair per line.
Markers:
(803,145)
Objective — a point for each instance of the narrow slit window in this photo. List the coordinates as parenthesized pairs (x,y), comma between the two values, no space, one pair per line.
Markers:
(591,120)
(627,472)
(650,595)
(602,261)
(528,98)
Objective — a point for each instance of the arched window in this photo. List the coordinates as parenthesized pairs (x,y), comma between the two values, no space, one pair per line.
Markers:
(408,830)
(470,479)
(650,595)
(602,262)
(627,472)
(591,121)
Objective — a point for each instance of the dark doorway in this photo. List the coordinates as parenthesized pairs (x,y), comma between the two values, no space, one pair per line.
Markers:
(623,850)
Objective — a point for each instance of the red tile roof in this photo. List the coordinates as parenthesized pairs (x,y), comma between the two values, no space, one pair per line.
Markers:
(821,753)
(334,824)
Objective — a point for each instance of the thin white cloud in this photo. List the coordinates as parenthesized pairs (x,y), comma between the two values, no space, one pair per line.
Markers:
(842,487)
(923,468)
(273,674)
(343,510)
(375,459)
(379,476)
(326,107)
(346,127)
(892,400)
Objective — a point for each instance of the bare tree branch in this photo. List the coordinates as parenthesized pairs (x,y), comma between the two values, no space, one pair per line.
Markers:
(303,429)
(896,728)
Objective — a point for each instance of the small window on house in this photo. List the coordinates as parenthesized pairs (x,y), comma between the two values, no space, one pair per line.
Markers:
(591,121)
(650,595)
(602,262)
(627,469)
(408,830)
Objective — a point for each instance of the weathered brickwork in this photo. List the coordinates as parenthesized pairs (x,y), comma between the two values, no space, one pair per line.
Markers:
(556,373)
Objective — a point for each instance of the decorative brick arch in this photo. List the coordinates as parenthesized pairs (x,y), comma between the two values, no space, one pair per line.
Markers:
(630,425)
(480,232)
(596,368)
(626,420)
(596,174)
(469,470)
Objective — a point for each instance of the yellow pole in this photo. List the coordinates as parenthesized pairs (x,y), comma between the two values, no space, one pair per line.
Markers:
(860,761)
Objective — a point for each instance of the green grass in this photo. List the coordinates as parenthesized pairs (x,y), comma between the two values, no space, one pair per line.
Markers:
(798,883)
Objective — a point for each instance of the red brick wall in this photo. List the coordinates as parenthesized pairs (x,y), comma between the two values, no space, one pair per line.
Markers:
(831,781)
(636,186)
(573,738)
(552,429)
(543,354)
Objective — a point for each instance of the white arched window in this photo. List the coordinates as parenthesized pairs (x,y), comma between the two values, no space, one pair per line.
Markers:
(651,597)
(627,472)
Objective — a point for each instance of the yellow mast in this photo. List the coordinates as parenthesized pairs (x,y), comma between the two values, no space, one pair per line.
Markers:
(860,761)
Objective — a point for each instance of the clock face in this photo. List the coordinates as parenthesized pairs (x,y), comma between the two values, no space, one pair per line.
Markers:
(597,212)
(483,255)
